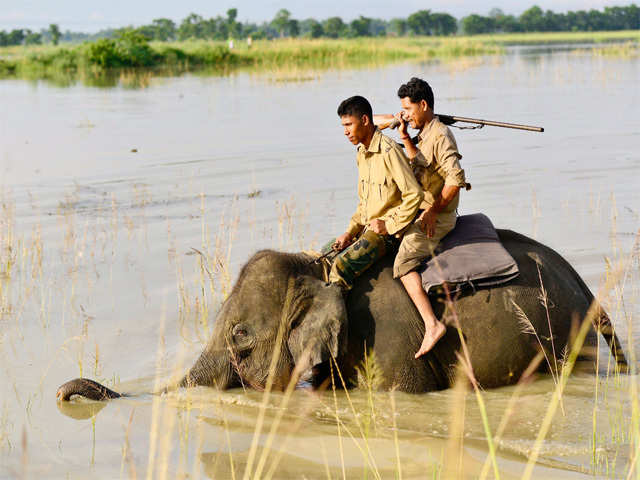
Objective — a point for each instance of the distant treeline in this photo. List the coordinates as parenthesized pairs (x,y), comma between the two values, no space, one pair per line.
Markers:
(537,20)
(423,22)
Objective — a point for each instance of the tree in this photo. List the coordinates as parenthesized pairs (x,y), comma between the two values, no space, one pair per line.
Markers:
(360,27)
(532,20)
(420,22)
(32,38)
(377,27)
(293,28)
(232,14)
(54,31)
(164,29)
(316,30)
(507,23)
(311,28)
(443,24)
(15,37)
(234,28)
(281,21)
(596,20)
(577,21)
(632,17)
(475,24)
(191,27)
(214,28)
(398,27)
(334,27)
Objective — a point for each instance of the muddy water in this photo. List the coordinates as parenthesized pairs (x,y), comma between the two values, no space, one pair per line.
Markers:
(107,192)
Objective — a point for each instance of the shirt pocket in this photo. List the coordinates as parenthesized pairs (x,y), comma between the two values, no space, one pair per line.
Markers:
(363,190)
(381,187)
(430,177)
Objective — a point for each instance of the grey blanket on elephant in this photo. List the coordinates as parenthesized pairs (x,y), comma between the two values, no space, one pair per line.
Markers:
(471,254)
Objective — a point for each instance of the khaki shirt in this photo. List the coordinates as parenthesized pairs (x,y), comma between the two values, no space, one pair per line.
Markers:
(438,164)
(387,189)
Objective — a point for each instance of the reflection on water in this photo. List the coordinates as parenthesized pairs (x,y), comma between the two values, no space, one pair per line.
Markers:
(105,192)
(79,409)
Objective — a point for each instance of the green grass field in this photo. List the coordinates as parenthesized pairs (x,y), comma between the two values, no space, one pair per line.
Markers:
(542,38)
(93,62)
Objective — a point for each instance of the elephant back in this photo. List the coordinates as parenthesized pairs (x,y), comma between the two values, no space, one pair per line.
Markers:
(504,325)
(384,322)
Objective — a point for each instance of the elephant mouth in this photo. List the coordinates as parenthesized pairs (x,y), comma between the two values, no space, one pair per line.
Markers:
(318,376)
(258,378)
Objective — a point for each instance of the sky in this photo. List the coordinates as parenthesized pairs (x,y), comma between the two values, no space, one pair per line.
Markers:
(91,16)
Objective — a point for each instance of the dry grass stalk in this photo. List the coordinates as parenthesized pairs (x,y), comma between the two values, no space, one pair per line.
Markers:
(527,328)
(453,464)
(587,323)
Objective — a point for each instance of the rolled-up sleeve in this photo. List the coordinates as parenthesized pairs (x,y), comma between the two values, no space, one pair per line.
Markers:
(446,151)
(399,217)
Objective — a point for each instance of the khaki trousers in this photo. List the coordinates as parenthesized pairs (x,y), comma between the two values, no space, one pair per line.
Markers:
(416,247)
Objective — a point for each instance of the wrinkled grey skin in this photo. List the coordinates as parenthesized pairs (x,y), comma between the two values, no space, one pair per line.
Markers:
(283,291)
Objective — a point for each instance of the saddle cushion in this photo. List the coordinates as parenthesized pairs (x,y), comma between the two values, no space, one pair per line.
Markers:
(471,254)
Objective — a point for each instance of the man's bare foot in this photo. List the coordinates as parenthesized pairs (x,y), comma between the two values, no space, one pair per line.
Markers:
(431,337)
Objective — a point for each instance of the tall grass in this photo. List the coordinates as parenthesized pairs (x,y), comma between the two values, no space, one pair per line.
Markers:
(548,38)
(132,61)
(103,60)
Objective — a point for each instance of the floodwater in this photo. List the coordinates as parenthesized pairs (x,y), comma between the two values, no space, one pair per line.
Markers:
(106,192)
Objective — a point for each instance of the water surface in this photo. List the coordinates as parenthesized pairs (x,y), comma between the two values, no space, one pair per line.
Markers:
(106,191)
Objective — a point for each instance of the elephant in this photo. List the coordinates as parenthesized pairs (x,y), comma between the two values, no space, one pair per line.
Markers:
(281,303)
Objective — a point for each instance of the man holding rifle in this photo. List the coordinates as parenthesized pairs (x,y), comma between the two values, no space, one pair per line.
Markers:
(436,163)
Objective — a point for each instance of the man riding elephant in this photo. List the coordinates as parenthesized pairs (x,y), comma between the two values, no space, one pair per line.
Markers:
(282,321)
(436,163)
(388,195)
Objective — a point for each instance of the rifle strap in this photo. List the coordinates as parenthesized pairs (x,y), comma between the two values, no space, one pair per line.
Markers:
(470,127)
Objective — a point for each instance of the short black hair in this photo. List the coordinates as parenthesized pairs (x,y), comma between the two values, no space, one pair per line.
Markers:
(356,106)
(417,89)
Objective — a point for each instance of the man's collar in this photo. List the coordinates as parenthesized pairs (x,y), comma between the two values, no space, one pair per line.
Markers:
(425,130)
(374,144)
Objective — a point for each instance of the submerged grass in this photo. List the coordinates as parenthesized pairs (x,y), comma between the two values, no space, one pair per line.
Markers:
(624,50)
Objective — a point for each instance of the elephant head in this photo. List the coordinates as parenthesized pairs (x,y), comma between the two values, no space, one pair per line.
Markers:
(280,316)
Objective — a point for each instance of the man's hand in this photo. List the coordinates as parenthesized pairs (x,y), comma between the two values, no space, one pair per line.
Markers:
(402,128)
(378,226)
(342,242)
(427,221)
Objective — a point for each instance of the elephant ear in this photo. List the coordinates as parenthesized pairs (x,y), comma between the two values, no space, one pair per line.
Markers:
(319,334)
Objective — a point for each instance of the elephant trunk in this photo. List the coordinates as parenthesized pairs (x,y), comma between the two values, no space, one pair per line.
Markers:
(213,368)
(86,388)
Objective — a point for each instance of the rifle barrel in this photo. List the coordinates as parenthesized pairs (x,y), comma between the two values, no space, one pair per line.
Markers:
(451,119)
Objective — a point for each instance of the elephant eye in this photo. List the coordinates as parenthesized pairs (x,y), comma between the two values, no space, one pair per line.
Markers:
(240,332)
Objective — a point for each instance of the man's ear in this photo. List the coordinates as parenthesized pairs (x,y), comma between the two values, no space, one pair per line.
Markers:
(366,121)
(424,105)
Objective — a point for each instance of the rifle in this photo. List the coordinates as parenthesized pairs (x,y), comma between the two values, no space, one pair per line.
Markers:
(389,121)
